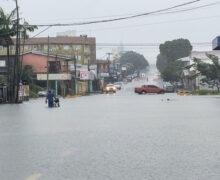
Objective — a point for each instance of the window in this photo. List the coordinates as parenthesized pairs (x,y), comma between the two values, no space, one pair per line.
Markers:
(66,47)
(51,47)
(30,47)
(13,48)
(151,86)
(1,48)
(54,67)
(2,63)
(78,47)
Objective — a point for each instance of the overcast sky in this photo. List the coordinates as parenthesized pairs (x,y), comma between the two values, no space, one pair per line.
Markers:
(200,25)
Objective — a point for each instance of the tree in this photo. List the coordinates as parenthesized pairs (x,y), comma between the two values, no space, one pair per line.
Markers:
(210,72)
(130,69)
(171,51)
(27,74)
(172,72)
(8,29)
(161,62)
(25,28)
(137,60)
(176,49)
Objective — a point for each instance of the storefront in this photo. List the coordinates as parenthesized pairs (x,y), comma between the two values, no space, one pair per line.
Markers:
(3,93)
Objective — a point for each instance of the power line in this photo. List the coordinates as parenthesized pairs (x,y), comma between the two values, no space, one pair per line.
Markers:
(41,32)
(143,44)
(156,23)
(119,15)
(118,19)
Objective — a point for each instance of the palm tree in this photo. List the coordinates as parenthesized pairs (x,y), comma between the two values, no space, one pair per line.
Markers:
(24,29)
(7,31)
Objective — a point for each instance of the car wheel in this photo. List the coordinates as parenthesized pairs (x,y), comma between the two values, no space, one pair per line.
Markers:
(143,92)
(162,92)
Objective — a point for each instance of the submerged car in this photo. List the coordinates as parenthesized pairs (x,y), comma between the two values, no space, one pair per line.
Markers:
(110,88)
(149,89)
(118,85)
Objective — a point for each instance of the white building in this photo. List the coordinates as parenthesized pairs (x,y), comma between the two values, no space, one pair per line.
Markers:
(195,84)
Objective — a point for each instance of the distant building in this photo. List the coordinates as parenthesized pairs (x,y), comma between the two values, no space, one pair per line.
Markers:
(103,68)
(70,33)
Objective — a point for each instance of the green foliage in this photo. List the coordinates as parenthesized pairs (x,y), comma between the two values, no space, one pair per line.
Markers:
(171,51)
(172,72)
(132,58)
(130,68)
(7,27)
(25,28)
(176,49)
(35,88)
(210,72)
(162,62)
(33,95)
(206,92)
(27,74)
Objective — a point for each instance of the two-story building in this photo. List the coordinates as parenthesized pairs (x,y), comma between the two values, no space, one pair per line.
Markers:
(62,53)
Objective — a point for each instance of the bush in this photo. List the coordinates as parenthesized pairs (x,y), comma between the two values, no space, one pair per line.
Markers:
(33,95)
(35,88)
(206,92)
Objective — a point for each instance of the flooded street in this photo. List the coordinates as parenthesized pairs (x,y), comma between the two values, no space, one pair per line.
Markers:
(121,136)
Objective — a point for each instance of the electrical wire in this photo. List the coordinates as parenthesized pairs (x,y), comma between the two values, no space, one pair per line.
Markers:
(41,32)
(155,23)
(120,15)
(118,19)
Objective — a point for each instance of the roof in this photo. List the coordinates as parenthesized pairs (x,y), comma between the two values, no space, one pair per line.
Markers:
(50,55)
(60,40)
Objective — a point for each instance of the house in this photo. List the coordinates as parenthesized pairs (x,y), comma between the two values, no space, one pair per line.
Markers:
(195,84)
(60,73)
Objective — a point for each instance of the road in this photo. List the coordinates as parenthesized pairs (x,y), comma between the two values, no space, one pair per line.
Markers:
(122,136)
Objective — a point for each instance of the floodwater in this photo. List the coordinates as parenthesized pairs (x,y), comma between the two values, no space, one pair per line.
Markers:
(122,136)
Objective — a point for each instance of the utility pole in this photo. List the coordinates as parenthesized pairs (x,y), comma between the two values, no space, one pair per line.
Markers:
(108,59)
(16,74)
(48,51)
(74,58)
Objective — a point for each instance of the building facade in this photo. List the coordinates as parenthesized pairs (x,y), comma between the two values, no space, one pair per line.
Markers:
(83,47)
(195,84)
(60,74)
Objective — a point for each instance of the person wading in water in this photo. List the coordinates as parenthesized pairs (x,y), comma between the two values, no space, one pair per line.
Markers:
(50,98)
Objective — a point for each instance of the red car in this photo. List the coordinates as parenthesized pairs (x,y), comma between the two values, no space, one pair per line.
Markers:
(149,89)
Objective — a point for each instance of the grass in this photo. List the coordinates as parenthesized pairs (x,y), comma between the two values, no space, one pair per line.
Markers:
(206,92)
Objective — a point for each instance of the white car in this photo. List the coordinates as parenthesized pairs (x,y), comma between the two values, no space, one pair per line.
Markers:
(118,85)
(110,88)
(42,93)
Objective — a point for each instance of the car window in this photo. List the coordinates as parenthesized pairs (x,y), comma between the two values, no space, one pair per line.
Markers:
(151,86)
